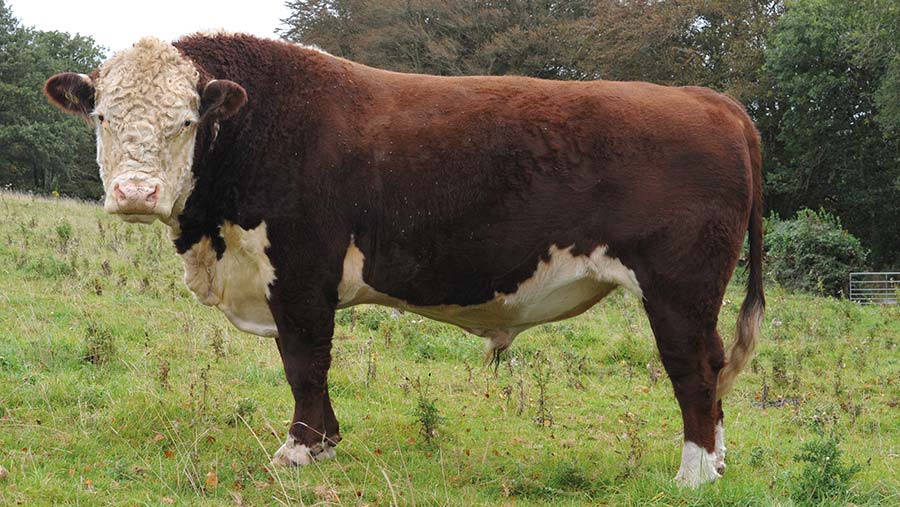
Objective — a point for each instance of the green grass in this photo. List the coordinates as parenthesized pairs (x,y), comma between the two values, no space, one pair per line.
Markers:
(117,388)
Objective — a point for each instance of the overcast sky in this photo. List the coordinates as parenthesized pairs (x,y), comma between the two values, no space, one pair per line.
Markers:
(117,24)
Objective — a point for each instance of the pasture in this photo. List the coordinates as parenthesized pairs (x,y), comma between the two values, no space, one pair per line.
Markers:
(118,388)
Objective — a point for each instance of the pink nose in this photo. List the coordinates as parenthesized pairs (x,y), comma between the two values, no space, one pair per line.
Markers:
(134,196)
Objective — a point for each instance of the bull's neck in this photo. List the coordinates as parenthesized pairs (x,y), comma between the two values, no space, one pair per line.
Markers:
(243,166)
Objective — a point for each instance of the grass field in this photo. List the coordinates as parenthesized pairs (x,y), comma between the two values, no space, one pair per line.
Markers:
(117,388)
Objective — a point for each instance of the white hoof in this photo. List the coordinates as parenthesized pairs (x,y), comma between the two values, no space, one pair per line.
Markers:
(292,453)
(328,452)
(720,448)
(697,466)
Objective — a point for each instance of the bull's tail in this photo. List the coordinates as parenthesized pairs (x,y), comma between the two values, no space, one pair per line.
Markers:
(740,350)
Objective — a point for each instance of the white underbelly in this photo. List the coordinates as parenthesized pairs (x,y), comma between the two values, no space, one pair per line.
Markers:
(506,312)
(560,288)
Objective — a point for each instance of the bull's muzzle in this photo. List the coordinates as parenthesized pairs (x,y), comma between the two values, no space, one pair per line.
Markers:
(137,199)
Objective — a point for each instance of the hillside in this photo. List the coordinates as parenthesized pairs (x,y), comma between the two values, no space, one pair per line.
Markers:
(117,388)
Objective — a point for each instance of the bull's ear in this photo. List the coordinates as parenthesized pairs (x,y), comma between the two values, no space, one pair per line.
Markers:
(71,92)
(221,99)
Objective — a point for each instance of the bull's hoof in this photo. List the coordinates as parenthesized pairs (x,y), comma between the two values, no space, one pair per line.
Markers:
(720,464)
(293,453)
(697,466)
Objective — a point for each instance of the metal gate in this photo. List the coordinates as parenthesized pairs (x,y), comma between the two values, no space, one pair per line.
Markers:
(875,288)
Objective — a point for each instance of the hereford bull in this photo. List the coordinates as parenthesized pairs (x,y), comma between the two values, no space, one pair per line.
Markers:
(296,183)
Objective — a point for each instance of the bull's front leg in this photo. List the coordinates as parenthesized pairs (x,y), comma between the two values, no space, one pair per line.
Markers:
(305,346)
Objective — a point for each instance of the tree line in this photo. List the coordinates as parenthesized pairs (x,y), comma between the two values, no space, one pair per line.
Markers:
(821,78)
(40,150)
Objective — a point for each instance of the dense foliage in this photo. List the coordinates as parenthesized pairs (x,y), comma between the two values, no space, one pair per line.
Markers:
(836,144)
(812,252)
(41,149)
(713,42)
(825,477)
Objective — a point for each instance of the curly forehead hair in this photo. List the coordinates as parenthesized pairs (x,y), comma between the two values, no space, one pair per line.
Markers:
(151,71)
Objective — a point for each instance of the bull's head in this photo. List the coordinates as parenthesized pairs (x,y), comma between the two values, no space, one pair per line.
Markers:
(146,103)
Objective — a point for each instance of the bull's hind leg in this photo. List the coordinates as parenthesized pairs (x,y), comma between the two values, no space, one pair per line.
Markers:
(332,429)
(692,354)
(720,439)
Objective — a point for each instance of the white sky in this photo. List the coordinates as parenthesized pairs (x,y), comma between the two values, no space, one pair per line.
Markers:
(117,24)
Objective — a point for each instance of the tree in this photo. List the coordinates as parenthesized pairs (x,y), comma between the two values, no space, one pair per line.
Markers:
(879,44)
(830,62)
(717,43)
(41,149)
(447,37)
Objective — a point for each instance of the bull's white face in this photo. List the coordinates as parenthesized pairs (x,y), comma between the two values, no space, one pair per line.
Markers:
(146,113)
(146,107)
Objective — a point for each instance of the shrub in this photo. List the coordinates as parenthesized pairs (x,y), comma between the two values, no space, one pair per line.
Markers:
(64,234)
(812,253)
(426,413)
(824,475)
(99,345)
(244,410)
(47,266)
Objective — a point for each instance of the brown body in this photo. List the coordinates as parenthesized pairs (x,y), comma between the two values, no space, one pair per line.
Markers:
(454,196)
